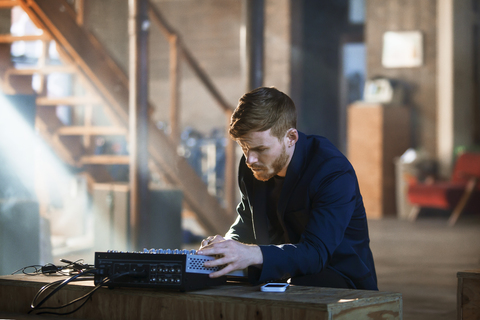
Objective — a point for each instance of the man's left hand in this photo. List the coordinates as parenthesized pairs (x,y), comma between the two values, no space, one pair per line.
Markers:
(234,255)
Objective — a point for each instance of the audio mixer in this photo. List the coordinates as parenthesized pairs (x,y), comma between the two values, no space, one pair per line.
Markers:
(182,270)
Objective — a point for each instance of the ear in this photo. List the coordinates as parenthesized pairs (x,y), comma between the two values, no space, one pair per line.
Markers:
(292,137)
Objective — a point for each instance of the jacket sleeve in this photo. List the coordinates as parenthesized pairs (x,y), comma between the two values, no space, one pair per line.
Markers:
(332,203)
(242,228)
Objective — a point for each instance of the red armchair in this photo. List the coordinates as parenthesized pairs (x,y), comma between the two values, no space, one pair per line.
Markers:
(461,193)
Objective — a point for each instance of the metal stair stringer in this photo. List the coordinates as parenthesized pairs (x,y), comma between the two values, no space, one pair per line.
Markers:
(57,18)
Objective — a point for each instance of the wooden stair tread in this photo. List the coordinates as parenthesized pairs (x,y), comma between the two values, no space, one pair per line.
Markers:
(91,130)
(105,159)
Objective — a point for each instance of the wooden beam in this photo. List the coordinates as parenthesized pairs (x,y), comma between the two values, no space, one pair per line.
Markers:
(80,9)
(138,122)
(471,185)
(70,101)
(5,4)
(8,38)
(43,70)
(80,131)
(104,160)
(174,90)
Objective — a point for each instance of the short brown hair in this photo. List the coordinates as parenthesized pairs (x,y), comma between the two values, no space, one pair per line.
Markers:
(262,109)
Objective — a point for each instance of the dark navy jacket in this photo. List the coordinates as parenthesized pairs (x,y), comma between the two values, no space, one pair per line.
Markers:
(321,211)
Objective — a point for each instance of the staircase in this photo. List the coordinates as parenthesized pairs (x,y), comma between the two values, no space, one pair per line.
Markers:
(107,87)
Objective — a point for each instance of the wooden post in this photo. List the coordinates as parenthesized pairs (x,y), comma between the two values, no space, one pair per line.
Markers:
(138,121)
(174,89)
(230,187)
(80,9)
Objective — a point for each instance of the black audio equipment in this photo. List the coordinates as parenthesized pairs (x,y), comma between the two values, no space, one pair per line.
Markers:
(182,270)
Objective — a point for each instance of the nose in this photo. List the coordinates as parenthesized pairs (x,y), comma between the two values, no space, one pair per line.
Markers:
(251,157)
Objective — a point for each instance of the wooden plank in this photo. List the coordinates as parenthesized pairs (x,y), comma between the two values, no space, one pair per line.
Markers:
(8,38)
(232,301)
(174,89)
(468,295)
(70,101)
(43,70)
(6,4)
(80,9)
(80,131)
(104,159)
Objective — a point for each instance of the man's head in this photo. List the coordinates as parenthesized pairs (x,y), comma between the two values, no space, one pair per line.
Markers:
(262,109)
(263,124)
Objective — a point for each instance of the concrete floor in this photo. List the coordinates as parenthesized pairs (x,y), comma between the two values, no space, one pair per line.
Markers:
(421,261)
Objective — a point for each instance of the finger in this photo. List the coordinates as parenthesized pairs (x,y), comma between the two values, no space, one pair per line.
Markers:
(217,262)
(221,272)
(207,241)
(217,238)
(204,243)
(210,250)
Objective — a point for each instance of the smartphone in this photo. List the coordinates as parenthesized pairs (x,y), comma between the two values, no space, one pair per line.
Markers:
(274,287)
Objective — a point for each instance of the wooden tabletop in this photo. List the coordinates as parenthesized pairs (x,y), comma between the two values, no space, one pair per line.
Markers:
(474,273)
(232,296)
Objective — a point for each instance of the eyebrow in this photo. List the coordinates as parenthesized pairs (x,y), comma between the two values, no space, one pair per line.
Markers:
(259,147)
(252,148)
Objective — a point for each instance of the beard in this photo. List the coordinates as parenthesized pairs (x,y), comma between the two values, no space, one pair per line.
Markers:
(266,172)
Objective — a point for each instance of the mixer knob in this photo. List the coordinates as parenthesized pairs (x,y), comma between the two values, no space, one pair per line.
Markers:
(184,251)
(193,251)
(168,251)
(176,251)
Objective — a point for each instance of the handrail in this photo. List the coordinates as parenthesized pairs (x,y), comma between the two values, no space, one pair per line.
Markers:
(169,32)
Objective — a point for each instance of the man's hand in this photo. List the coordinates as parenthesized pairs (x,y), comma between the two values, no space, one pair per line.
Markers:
(234,255)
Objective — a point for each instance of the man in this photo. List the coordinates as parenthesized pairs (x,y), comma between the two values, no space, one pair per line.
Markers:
(301,214)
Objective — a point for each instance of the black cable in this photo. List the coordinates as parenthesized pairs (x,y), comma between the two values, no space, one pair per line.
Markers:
(60,284)
(86,296)
(35,266)
(51,269)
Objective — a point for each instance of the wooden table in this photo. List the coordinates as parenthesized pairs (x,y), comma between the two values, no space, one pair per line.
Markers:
(468,295)
(231,301)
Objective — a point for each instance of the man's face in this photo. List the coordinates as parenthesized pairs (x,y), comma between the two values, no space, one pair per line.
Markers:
(266,156)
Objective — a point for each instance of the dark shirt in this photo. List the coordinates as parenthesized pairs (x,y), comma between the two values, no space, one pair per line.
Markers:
(275,230)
